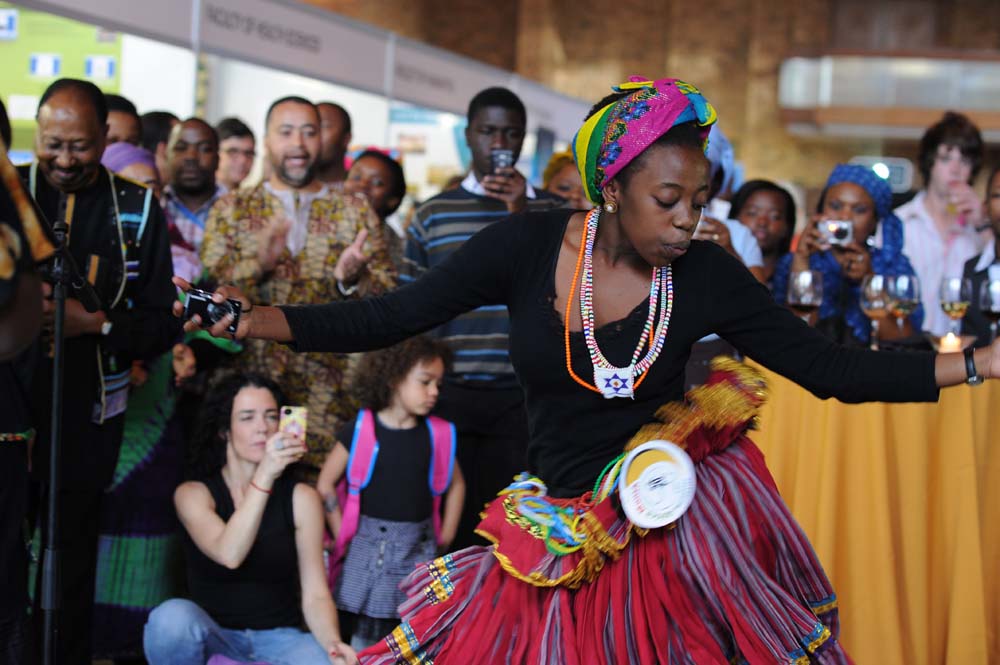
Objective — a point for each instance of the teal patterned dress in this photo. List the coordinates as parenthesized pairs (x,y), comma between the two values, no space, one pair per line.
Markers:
(139,559)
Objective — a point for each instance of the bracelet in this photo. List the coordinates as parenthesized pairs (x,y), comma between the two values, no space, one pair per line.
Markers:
(330,503)
(258,487)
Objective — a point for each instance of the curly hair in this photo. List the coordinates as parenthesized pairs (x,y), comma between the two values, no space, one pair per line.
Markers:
(379,373)
(206,453)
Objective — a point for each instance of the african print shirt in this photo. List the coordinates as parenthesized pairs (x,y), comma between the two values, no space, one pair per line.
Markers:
(229,253)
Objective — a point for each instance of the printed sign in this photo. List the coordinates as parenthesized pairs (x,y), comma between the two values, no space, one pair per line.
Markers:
(99,67)
(8,24)
(45,65)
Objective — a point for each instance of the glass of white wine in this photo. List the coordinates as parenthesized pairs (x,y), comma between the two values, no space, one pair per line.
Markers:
(805,292)
(989,304)
(874,301)
(904,296)
(956,296)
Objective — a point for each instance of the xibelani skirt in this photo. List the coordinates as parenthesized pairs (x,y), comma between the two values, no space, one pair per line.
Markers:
(734,580)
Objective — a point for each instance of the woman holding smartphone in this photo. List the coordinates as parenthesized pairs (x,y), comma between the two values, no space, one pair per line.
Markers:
(871,243)
(253,547)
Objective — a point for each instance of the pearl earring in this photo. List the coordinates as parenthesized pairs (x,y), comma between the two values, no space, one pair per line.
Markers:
(611,207)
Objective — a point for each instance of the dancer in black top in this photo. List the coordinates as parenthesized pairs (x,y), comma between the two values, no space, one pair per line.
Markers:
(571,580)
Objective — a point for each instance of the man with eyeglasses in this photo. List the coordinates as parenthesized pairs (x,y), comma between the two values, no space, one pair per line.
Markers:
(237,150)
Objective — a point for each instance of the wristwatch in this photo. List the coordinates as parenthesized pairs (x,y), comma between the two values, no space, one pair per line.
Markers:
(106,328)
(346,290)
(971,376)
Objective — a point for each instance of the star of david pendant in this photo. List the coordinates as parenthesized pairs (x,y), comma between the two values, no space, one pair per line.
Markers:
(614,381)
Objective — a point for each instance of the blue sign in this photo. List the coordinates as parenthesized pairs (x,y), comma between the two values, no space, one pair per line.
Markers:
(8,24)
(99,67)
(45,65)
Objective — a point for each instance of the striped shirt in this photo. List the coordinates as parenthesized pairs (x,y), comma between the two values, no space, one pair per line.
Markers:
(440,226)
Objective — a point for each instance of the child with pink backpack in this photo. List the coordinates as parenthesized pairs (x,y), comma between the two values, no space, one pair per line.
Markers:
(392,489)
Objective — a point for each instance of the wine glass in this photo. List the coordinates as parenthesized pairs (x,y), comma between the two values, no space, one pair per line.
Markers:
(956,296)
(904,296)
(874,301)
(805,292)
(989,304)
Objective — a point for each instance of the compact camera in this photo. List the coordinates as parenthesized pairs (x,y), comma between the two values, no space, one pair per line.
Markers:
(200,302)
(837,232)
(501,159)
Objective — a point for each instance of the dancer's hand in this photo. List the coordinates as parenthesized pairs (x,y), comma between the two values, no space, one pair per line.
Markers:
(221,294)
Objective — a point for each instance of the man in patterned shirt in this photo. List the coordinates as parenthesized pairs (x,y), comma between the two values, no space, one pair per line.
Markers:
(293,239)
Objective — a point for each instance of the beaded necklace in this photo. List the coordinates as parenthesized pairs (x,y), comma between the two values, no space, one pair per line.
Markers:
(611,381)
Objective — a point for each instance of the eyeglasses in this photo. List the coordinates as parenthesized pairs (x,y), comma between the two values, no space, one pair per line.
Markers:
(236,152)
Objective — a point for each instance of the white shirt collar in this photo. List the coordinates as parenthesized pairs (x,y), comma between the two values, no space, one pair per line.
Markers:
(472,185)
(987,258)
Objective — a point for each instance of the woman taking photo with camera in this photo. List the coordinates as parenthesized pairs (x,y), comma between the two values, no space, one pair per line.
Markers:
(844,254)
(254,544)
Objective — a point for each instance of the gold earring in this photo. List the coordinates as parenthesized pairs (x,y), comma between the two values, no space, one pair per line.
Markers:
(611,207)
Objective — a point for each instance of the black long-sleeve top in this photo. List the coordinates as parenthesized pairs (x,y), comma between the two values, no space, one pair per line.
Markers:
(574,431)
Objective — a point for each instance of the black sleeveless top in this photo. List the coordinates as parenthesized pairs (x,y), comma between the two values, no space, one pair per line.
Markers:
(263,593)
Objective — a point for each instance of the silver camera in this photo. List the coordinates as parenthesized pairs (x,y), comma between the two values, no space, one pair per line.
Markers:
(837,232)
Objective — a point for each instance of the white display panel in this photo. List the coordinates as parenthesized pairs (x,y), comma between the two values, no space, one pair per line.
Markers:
(158,76)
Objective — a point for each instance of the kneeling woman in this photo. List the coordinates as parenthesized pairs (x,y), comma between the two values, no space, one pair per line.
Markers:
(254,544)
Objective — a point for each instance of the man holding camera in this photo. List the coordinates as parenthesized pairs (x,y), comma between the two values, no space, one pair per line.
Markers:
(480,394)
(118,238)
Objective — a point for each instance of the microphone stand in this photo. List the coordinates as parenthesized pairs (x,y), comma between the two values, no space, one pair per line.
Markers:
(64,274)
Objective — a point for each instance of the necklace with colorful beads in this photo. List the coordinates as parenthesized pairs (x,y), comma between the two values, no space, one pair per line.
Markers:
(611,381)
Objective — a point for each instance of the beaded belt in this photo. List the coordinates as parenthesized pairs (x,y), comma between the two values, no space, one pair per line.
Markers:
(17,437)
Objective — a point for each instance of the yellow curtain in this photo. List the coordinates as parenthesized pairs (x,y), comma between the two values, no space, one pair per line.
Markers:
(902,503)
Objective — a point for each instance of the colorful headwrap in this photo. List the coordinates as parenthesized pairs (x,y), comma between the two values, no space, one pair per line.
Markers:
(121,155)
(614,136)
(863,177)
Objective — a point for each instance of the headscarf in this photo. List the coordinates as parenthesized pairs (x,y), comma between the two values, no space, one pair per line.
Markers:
(721,158)
(840,297)
(618,133)
(121,155)
(877,187)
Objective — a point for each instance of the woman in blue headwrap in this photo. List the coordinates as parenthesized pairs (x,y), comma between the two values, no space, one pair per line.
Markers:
(856,194)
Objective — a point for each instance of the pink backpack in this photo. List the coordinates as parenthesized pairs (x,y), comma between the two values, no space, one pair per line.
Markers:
(361,465)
